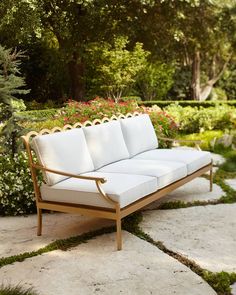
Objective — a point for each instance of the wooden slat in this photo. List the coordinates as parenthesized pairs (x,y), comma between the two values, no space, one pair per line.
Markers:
(73,208)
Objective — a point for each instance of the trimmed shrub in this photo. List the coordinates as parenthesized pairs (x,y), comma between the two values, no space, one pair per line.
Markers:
(39,114)
(193,119)
(191,103)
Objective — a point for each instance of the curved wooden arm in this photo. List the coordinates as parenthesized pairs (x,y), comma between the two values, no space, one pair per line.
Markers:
(99,179)
(196,142)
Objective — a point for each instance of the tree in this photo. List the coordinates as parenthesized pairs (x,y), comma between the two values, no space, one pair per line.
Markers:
(196,34)
(116,66)
(11,84)
(155,80)
(75,24)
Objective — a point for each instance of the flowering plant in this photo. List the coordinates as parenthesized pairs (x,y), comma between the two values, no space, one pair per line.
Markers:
(99,108)
(16,186)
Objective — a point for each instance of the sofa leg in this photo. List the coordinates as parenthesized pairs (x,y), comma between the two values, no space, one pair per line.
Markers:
(211,179)
(39,215)
(118,234)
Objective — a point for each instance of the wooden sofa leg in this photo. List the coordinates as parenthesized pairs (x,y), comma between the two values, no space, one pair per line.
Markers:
(39,215)
(118,234)
(211,179)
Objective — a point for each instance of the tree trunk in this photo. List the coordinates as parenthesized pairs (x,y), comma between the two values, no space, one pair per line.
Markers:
(195,85)
(207,88)
(206,91)
(76,74)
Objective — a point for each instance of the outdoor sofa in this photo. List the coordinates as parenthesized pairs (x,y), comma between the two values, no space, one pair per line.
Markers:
(108,168)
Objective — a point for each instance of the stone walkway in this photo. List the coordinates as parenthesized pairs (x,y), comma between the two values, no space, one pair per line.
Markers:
(204,234)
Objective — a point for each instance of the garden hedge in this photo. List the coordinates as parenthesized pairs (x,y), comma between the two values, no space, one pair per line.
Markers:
(38,114)
(185,103)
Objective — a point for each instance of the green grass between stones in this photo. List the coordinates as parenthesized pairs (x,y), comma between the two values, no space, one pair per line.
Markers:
(220,282)
(62,244)
(16,290)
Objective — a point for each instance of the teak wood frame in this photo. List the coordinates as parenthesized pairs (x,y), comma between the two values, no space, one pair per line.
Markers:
(116,213)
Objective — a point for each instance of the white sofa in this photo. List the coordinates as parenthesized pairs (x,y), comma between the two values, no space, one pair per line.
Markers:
(109,169)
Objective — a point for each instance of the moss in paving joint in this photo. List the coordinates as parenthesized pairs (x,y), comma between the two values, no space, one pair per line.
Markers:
(62,244)
(220,282)
(16,290)
(218,179)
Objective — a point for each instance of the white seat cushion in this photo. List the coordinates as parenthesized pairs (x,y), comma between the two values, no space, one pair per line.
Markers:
(139,134)
(166,172)
(106,143)
(65,151)
(192,158)
(121,188)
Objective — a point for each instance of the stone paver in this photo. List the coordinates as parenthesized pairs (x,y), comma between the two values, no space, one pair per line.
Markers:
(217,159)
(195,190)
(18,234)
(206,235)
(97,268)
(231,183)
(233,289)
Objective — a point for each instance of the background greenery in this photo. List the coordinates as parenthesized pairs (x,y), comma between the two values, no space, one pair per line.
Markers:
(76,49)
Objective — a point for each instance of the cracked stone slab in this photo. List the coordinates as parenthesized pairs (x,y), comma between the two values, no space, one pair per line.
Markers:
(18,233)
(205,234)
(195,190)
(231,183)
(97,268)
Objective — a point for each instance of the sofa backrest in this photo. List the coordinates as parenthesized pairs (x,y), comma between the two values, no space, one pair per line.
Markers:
(139,134)
(106,143)
(64,151)
(86,149)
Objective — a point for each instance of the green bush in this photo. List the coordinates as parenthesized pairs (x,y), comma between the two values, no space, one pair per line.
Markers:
(39,125)
(39,114)
(230,164)
(206,137)
(16,187)
(193,119)
(155,80)
(35,105)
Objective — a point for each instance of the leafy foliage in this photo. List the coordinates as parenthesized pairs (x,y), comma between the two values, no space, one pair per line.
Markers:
(10,85)
(155,80)
(192,119)
(16,186)
(191,103)
(116,66)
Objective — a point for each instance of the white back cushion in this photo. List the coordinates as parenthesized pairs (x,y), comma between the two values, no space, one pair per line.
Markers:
(106,143)
(139,134)
(64,151)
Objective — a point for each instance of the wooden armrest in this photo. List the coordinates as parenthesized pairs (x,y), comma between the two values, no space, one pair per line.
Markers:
(181,140)
(97,179)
